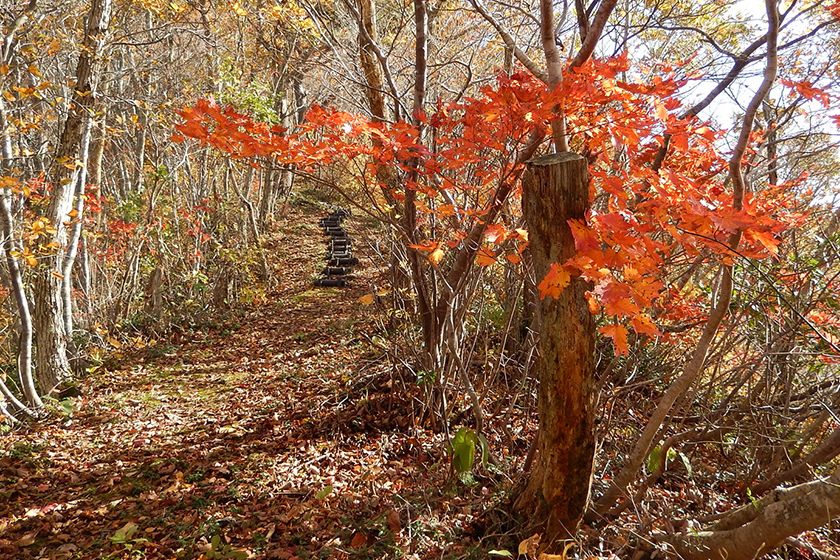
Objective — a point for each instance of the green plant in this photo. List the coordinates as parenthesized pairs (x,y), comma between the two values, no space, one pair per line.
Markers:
(463,447)
(672,454)
(125,537)
(24,450)
(222,550)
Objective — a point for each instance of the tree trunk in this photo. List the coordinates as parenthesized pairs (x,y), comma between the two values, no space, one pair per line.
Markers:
(10,248)
(555,190)
(301,103)
(75,236)
(370,65)
(18,288)
(51,336)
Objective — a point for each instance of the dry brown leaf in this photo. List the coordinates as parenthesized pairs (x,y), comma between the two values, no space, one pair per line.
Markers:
(28,539)
(530,545)
(359,540)
(394,521)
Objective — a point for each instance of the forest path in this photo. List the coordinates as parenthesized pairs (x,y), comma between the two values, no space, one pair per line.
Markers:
(268,435)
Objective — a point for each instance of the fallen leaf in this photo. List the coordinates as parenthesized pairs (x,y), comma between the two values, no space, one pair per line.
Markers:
(359,540)
(530,545)
(393,519)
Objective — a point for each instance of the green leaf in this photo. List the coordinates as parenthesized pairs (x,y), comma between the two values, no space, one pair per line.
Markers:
(67,406)
(324,492)
(463,450)
(124,534)
(485,450)
(653,459)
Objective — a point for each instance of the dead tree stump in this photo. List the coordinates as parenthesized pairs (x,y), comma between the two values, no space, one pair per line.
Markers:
(555,190)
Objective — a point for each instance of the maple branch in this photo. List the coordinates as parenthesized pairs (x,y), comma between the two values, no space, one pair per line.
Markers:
(510,43)
(420,56)
(582,19)
(770,282)
(471,242)
(741,61)
(735,163)
(421,26)
(593,34)
(696,365)
(554,67)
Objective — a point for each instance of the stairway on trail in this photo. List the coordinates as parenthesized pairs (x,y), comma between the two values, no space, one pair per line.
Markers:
(340,259)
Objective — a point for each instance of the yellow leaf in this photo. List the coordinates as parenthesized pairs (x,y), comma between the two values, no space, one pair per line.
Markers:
(367,299)
(436,256)
(563,556)
(661,111)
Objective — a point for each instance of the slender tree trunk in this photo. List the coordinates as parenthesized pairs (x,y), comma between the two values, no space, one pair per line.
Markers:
(10,249)
(430,326)
(555,190)
(94,170)
(370,65)
(301,103)
(554,70)
(51,336)
(75,235)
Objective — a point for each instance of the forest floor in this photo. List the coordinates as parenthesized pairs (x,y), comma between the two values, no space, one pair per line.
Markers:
(270,433)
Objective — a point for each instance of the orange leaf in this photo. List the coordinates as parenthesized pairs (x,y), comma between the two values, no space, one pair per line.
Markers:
(643,324)
(359,540)
(618,334)
(622,307)
(766,239)
(554,282)
(585,238)
(616,299)
(495,233)
(808,91)
(485,257)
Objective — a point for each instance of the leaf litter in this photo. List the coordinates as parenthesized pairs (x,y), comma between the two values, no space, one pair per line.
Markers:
(250,438)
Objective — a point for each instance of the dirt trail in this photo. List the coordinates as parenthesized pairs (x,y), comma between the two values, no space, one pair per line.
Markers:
(261,437)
